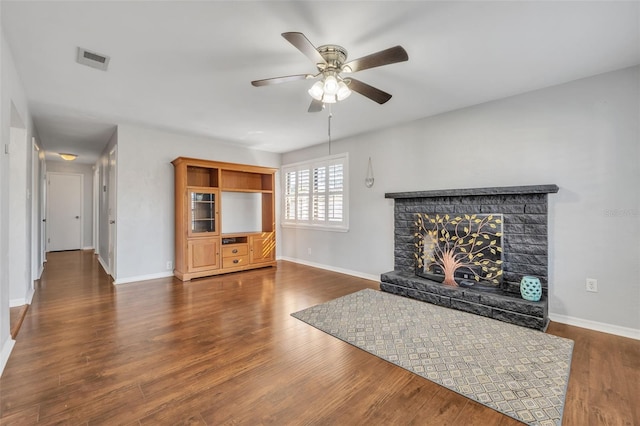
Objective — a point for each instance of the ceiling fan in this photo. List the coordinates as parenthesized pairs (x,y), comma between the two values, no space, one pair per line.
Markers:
(331,62)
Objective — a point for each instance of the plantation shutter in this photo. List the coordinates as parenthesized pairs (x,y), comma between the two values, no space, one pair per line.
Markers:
(303,195)
(315,193)
(320,194)
(335,196)
(290,196)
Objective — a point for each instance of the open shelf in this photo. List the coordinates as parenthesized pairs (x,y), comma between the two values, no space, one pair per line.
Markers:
(234,180)
(234,240)
(202,177)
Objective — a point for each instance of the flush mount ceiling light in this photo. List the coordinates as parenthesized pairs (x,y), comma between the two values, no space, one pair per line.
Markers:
(331,62)
(67,156)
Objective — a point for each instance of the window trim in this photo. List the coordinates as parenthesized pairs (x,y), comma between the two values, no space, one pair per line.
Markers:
(342,226)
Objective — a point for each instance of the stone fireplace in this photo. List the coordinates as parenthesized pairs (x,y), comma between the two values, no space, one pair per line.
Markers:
(492,289)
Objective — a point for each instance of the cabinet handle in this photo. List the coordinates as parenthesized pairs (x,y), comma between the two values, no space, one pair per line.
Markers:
(234,251)
(236,260)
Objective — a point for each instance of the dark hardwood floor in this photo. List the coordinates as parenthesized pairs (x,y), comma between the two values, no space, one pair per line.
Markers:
(225,350)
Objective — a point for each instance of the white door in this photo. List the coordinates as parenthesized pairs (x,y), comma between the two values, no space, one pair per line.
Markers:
(64,216)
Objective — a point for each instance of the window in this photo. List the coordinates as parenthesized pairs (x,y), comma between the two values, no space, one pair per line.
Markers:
(315,193)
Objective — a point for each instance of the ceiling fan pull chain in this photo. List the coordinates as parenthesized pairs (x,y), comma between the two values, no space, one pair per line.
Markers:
(329,127)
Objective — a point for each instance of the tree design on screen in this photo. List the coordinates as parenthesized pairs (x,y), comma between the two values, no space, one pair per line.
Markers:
(472,242)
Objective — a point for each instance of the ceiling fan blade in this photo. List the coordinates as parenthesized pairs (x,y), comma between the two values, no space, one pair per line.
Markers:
(278,80)
(303,44)
(370,92)
(315,106)
(383,57)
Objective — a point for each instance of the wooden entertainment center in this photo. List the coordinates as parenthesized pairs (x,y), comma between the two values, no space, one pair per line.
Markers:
(224,217)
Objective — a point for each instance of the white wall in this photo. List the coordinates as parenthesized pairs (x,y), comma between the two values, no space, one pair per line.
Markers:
(21,289)
(12,95)
(145,204)
(86,170)
(6,343)
(582,136)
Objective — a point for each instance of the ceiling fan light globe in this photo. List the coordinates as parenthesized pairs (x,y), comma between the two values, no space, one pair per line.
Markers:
(316,91)
(329,99)
(343,91)
(330,85)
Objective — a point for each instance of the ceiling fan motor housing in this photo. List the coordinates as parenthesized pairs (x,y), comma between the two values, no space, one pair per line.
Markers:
(334,55)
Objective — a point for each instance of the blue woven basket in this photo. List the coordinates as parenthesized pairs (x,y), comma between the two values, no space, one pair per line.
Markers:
(530,288)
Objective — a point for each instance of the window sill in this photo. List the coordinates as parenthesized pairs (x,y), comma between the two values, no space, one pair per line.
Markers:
(315,227)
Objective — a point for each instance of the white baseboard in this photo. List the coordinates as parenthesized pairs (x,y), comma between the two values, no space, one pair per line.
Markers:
(104,265)
(631,333)
(17,302)
(29,297)
(333,269)
(143,277)
(88,248)
(26,300)
(7,347)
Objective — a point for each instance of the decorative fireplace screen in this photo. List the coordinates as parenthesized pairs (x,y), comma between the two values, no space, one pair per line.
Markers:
(461,250)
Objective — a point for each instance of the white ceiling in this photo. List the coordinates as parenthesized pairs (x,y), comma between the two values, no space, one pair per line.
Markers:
(187,66)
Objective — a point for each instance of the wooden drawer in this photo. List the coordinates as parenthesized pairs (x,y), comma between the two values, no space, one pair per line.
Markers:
(235,250)
(235,261)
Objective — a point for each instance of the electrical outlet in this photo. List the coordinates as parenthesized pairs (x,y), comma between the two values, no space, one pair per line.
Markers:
(309,251)
(592,285)
(169,265)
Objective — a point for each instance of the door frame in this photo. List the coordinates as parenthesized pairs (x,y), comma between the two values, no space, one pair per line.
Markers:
(36,210)
(96,210)
(112,211)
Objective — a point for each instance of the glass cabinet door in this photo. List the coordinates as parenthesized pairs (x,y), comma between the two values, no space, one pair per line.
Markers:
(203,212)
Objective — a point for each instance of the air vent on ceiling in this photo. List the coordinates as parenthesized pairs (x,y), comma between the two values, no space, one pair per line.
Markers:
(92,59)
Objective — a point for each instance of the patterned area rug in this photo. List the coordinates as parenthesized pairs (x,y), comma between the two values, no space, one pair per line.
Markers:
(517,371)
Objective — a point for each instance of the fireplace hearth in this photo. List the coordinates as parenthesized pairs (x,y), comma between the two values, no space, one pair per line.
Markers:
(440,258)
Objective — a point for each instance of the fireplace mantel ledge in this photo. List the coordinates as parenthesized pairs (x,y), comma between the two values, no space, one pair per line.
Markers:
(494,190)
